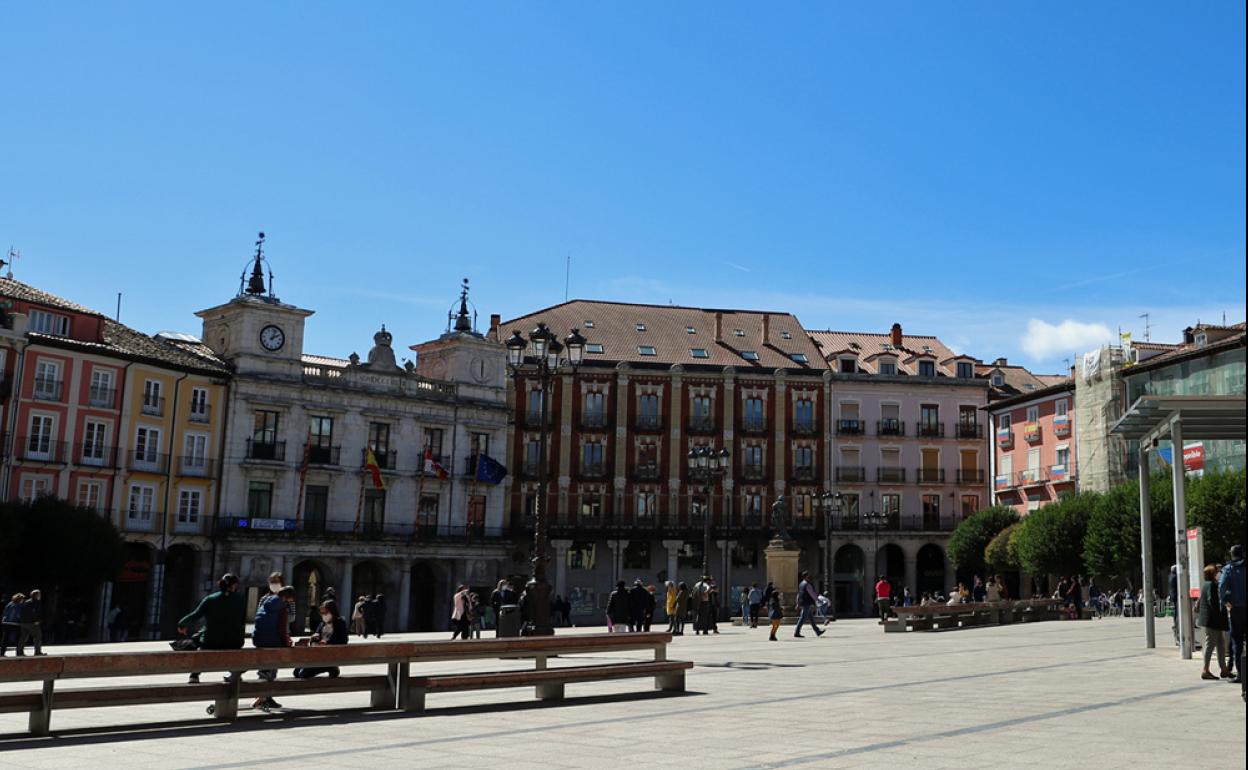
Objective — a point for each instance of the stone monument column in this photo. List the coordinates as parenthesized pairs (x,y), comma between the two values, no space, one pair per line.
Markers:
(560,548)
(782,554)
(405,595)
(673,555)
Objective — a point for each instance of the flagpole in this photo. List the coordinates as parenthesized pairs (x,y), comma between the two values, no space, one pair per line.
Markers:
(303,477)
(420,493)
(359,508)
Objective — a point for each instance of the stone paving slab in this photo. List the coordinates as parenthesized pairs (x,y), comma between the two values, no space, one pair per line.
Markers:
(1044,695)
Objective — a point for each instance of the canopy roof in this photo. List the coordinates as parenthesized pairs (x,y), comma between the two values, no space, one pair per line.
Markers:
(1208,418)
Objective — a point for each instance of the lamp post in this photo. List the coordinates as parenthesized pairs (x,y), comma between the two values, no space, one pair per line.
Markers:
(543,364)
(705,467)
(875,520)
(830,502)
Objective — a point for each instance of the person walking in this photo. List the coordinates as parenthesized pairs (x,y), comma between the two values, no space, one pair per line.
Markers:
(10,624)
(702,607)
(459,613)
(681,603)
(618,612)
(30,623)
(753,603)
(224,616)
(638,598)
(505,596)
(713,615)
(1211,617)
(806,600)
(357,617)
(332,629)
(775,612)
(883,597)
(1232,592)
(651,603)
(669,605)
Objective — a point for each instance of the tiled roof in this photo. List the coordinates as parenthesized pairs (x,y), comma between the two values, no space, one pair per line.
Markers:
(629,332)
(10,287)
(868,347)
(1017,379)
(1233,336)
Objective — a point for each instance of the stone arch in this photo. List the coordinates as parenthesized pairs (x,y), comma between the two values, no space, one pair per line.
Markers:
(848,575)
(930,565)
(180,591)
(890,560)
(311,578)
(132,588)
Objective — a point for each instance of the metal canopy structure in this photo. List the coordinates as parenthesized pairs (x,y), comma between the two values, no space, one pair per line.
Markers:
(1176,418)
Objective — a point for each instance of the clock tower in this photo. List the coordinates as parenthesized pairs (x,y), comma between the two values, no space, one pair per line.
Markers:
(463,355)
(255,331)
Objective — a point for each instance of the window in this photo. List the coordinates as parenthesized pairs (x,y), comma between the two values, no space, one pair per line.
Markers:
(139,506)
(970,505)
(480,444)
(699,353)
(433,441)
(648,406)
(93,432)
(997,380)
(965,370)
(929,418)
(1006,422)
(786,335)
(264,427)
(39,441)
(48,380)
(701,408)
(927,368)
(754,457)
(35,487)
(49,323)
(637,555)
(592,457)
(320,434)
(802,509)
(379,439)
(849,365)
(1006,467)
(967,415)
(591,506)
(749,355)
(1202,339)
(752,505)
(755,418)
(804,414)
(199,404)
(189,505)
(646,506)
(690,330)
(532,455)
(799,358)
(315,507)
(89,495)
(146,445)
(888,366)
(593,347)
(804,458)
(645,350)
(931,505)
(1033,413)
(259,499)
(101,392)
(1062,457)
(153,402)
(374,514)
(596,408)
(890,504)
(850,505)
(427,508)
(195,453)
(738,333)
(640,327)
(1060,407)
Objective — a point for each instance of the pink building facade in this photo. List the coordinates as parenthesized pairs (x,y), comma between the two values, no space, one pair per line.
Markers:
(1033,440)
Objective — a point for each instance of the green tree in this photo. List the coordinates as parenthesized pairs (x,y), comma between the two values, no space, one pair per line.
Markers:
(54,545)
(1111,547)
(997,553)
(1050,540)
(1215,503)
(968,541)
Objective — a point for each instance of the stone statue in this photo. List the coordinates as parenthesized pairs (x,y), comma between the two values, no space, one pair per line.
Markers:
(779,519)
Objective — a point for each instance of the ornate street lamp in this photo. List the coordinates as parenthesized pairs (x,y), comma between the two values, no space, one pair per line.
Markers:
(705,467)
(876,521)
(544,364)
(830,502)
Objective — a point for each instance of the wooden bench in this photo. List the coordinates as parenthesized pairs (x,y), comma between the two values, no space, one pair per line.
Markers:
(397,688)
(941,617)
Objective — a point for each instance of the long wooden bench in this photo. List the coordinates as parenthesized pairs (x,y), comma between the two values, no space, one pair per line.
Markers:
(397,688)
(941,617)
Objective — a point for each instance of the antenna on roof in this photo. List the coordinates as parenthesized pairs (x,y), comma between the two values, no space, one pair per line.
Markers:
(14,255)
(567,277)
(118,318)
(1147,327)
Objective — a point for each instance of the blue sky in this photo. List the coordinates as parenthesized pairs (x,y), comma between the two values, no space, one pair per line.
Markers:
(1019,178)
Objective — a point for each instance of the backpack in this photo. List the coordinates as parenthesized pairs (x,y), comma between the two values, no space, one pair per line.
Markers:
(267,631)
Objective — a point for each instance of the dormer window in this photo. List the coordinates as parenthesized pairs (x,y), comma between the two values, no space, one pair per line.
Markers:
(1202,339)
(786,335)
(849,365)
(965,370)
(640,327)
(888,366)
(998,380)
(927,368)
(749,355)
(645,350)
(43,322)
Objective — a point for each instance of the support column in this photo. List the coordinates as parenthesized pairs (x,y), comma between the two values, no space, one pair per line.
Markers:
(617,557)
(912,572)
(560,548)
(155,592)
(405,596)
(1146,550)
(673,554)
(1183,604)
(345,568)
(725,584)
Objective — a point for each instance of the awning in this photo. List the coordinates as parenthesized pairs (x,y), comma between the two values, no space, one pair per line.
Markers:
(1205,418)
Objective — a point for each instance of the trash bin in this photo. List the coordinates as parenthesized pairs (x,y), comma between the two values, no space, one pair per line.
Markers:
(509,620)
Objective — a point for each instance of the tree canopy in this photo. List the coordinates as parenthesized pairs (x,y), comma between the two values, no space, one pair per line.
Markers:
(997,553)
(51,543)
(968,541)
(1050,540)
(1215,503)
(1111,546)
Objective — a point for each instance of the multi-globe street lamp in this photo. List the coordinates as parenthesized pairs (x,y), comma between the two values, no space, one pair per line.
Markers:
(540,357)
(705,467)
(830,502)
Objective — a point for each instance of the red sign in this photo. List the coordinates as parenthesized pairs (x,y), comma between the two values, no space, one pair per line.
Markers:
(1194,457)
(134,572)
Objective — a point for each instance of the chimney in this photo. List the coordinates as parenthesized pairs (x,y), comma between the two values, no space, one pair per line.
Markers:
(1189,337)
(495,320)
(895,334)
(1000,362)
(766,328)
(719,326)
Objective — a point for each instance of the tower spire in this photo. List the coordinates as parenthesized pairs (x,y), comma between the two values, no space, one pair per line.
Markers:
(255,285)
(463,321)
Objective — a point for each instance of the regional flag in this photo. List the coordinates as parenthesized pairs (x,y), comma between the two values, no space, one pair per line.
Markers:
(370,465)
(432,466)
(489,470)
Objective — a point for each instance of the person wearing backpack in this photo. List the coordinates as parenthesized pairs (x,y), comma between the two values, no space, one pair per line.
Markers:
(1231,590)
(806,599)
(272,629)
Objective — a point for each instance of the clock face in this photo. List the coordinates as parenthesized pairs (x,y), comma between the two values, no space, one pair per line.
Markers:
(481,370)
(272,338)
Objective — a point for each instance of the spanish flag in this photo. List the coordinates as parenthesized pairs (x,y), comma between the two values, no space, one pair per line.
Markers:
(370,465)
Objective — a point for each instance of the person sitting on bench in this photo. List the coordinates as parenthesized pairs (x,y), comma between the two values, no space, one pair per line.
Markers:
(331,630)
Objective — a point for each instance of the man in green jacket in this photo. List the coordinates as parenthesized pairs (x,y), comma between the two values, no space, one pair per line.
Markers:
(225,618)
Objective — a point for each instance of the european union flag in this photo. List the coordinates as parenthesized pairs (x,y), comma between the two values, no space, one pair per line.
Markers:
(490,470)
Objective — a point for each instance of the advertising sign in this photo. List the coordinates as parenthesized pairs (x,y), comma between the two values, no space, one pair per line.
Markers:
(1195,561)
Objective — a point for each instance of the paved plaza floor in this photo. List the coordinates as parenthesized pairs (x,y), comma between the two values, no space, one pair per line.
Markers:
(1043,695)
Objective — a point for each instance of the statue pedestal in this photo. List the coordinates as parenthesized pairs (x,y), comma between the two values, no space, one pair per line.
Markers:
(781,557)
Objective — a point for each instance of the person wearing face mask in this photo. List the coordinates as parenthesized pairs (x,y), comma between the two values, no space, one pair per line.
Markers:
(276,581)
(331,630)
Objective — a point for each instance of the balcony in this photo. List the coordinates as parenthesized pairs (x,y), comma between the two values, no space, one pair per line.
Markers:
(804,428)
(338,529)
(929,429)
(319,454)
(533,419)
(1002,483)
(1005,437)
(593,421)
(646,472)
(153,406)
(970,476)
(754,426)
(1061,426)
(753,473)
(803,474)
(1032,477)
(970,430)
(648,422)
(890,475)
(890,427)
(436,461)
(930,475)
(95,455)
(102,398)
(148,462)
(1031,432)
(37,450)
(47,390)
(531,471)
(593,470)
(701,424)
(200,467)
(850,474)
(387,459)
(1061,474)
(273,451)
(199,413)
(849,427)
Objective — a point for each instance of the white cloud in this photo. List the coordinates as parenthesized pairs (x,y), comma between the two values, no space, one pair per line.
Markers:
(1044,340)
